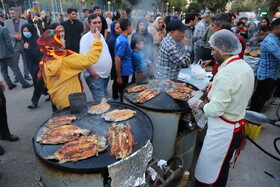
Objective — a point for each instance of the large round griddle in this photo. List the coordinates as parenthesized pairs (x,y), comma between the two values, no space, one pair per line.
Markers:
(141,127)
(161,103)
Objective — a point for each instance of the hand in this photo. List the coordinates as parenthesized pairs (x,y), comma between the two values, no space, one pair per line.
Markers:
(205,63)
(25,45)
(96,34)
(207,86)
(199,37)
(194,103)
(95,76)
(119,80)
(2,86)
(185,41)
(17,36)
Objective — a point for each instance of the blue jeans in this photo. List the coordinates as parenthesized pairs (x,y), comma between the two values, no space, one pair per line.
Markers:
(98,87)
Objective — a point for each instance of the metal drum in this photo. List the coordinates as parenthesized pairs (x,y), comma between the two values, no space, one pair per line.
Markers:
(92,171)
(172,135)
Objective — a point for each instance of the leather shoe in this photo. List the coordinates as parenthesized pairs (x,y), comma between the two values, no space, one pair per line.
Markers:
(27,86)
(12,86)
(10,137)
(32,106)
(27,77)
(1,150)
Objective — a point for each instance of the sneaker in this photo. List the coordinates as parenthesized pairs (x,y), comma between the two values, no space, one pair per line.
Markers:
(276,101)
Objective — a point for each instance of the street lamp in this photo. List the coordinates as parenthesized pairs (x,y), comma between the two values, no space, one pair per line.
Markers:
(167,4)
(109,4)
(173,7)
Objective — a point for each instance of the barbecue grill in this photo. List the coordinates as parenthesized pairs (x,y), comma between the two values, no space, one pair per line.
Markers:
(174,134)
(92,171)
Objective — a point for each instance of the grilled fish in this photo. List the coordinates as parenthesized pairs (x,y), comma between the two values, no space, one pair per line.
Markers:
(119,115)
(61,134)
(120,140)
(137,88)
(178,95)
(80,149)
(183,89)
(102,107)
(146,95)
(61,120)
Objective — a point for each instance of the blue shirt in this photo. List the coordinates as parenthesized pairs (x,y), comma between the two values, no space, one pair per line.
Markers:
(270,58)
(140,60)
(123,50)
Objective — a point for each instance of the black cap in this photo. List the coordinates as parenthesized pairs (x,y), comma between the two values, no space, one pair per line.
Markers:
(176,25)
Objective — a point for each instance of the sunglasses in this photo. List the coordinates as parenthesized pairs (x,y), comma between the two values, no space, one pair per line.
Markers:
(95,22)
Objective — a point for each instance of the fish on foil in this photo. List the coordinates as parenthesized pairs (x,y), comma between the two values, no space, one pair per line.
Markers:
(121,140)
(100,108)
(146,95)
(61,134)
(119,115)
(137,88)
(80,149)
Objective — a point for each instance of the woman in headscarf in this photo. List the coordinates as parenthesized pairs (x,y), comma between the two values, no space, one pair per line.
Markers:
(115,32)
(158,31)
(60,68)
(33,56)
(142,30)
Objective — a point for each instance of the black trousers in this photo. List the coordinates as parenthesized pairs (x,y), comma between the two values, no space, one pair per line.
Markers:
(118,89)
(223,177)
(276,92)
(4,129)
(262,94)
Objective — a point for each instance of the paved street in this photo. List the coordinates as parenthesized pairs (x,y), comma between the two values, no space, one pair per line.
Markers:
(18,167)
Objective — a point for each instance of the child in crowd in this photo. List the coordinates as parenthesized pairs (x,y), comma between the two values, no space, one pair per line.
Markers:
(140,61)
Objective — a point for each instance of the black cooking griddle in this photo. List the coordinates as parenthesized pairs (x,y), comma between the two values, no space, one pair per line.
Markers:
(141,127)
(161,103)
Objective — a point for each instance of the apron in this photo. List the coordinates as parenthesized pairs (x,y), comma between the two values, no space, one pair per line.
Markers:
(215,146)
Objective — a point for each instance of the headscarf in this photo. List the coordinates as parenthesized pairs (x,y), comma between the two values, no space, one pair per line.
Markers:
(32,41)
(155,24)
(50,45)
(113,33)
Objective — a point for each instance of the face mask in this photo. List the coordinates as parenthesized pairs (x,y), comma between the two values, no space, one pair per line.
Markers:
(27,34)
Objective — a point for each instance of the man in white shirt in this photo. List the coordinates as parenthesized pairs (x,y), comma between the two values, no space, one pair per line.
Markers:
(228,98)
(97,75)
(109,21)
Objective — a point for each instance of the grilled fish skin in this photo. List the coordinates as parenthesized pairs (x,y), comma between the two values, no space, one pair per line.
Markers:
(80,149)
(121,140)
(61,134)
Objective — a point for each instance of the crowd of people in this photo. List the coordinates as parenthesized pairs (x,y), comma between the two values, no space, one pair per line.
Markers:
(103,46)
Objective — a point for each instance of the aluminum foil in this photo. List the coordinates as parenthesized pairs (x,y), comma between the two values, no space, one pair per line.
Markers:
(130,171)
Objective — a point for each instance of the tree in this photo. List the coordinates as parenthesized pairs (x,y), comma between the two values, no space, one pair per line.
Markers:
(273,7)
